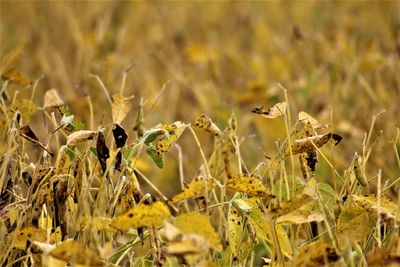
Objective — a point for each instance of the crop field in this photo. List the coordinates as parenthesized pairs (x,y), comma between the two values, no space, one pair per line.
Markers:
(191,133)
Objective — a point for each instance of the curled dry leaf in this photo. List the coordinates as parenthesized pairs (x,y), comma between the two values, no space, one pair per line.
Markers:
(205,123)
(189,223)
(195,188)
(306,118)
(278,110)
(52,99)
(120,108)
(143,215)
(80,137)
(248,184)
(74,252)
(27,133)
(308,144)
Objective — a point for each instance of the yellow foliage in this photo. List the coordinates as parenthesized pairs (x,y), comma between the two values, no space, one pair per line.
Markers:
(250,185)
(195,188)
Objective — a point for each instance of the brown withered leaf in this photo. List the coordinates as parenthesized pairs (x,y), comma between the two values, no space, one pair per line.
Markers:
(120,135)
(103,153)
(278,110)
(27,133)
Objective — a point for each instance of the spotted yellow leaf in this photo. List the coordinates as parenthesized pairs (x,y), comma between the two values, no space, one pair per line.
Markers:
(388,210)
(28,234)
(205,123)
(196,223)
(248,184)
(318,253)
(174,131)
(287,207)
(195,188)
(143,215)
(235,231)
(98,223)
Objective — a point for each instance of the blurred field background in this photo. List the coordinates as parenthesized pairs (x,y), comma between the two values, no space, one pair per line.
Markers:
(338,60)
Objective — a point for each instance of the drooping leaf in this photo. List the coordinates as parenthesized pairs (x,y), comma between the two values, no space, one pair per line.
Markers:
(73,252)
(80,137)
(289,206)
(27,133)
(235,231)
(120,108)
(205,123)
(189,223)
(52,99)
(352,226)
(248,184)
(195,188)
(120,135)
(143,215)
(302,215)
(103,153)
(278,110)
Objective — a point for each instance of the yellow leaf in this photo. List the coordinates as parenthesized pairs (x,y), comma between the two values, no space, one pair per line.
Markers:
(182,248)
(290,205)
(97,223)
(263,227)
(80,137)
(318,253)
(205,123)
(12,58)
(235,231)
(174,131)
(197,53)
(25,106)
(389,210)
(306,118)
(278,110)
(74,252)
(56,237)
(196,223)
(16,77)
(353,225)
(30,234)
(195,188)
(302,215)
(52,99)
(143,215)
(250,185)
(120,108)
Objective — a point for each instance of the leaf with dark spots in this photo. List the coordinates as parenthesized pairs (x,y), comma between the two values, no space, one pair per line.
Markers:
(120,135)
(102,151)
